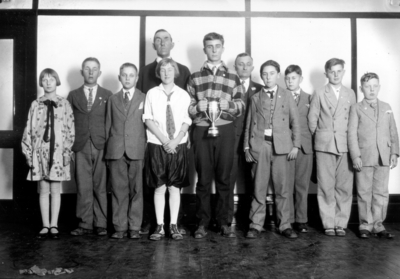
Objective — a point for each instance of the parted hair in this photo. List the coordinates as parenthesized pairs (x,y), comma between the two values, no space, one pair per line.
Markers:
(161,30)
(128,64)
(293,68)
(333,62)
(243,54)
(213,36)
(165,62)
(91,59)
(270,63)
(368,76)
(49,72)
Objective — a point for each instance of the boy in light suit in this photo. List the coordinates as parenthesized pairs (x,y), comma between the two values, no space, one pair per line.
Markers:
(374,148)
(89,104)
(125,153)
(327,120)
(272,138)
(300,169)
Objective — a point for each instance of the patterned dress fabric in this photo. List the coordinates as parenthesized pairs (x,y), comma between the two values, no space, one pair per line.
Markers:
(37,150)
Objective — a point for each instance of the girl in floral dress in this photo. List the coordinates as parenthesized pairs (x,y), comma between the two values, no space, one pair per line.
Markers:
(46,144)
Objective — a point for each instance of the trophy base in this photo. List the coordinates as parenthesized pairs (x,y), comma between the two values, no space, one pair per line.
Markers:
(213,132)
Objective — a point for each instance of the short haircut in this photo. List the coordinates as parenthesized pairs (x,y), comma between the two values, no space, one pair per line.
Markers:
(91,59)
(126,65)
(49,72)
(293,68)
(213,36)
(333,62)
(368,76)
(165,62)
(161,30)
(270,63)
(243,54)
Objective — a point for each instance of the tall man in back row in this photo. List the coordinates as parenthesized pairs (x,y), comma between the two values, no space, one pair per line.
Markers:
(162,44)
(214,155)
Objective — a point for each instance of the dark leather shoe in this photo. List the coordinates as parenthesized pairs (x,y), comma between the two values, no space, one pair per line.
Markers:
(118,235)
(81,231)
(134,234)
(364,234)
(101,231)
(289,233)
(158,233)
(200,233)
(43,235)
(302,227)
(145,229)
(385,234)
(252,233)
(54,233)
(227,232)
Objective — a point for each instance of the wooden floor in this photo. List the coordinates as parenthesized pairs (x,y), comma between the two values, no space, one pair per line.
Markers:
(312,255)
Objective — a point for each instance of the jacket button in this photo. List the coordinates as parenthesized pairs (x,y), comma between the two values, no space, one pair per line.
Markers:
(345,118)
(334,131)
(330,107)
(283,119)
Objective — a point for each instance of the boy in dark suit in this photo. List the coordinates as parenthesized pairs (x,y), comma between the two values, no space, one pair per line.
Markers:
(300,169)
(327,120)
(374,149)
(125,153)
(89,104)
(272,138)
(244,67)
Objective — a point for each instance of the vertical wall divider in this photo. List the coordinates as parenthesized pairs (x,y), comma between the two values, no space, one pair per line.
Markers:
(142,44)
(354,76)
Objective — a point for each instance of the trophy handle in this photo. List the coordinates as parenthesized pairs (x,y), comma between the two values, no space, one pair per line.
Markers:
(220,113)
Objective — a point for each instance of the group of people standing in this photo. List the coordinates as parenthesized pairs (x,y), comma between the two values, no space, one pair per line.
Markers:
(143,133)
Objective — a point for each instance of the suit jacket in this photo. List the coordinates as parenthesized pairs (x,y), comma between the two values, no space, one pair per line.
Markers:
(328,118)
(367,135)
(303,107)
(148,80)
(89,124)
(285,122)
(240,121)
(125,130)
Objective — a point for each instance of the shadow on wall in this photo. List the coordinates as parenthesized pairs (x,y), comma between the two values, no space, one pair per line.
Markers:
(74,78)
(111,82)
(317,78)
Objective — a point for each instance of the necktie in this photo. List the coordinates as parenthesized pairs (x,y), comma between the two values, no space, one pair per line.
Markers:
(90,99)
(296,97)
(244,86)
(214,69)
(373,106)
(170,118)
(271,94)
(50,121)
(126,99)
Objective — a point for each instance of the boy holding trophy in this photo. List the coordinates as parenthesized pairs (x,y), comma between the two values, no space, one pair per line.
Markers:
(216,99)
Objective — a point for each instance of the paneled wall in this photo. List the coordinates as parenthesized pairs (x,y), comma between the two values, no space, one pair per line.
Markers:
(307,33)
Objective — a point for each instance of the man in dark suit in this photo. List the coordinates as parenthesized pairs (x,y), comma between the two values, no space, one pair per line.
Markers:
(244,67)
(125,153)
(89,104)
(163,45)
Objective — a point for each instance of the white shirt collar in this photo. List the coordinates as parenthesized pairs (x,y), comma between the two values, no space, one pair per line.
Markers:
(211,66)
(158,59)
(297,91)
(274,89)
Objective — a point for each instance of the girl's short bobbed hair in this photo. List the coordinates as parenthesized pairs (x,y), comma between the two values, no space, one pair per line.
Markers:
(49,72)
(165,62)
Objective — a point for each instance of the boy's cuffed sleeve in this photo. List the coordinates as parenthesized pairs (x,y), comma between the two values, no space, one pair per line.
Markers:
(352,133)
(314,112)
(394,137)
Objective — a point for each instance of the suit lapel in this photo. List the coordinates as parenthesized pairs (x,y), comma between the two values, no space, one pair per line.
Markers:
(343,98)
(257,101)
(330,96)
(82,101)
(279,97)
(302,99)
(134,102)
(120,102)
(367,110)
(99,96)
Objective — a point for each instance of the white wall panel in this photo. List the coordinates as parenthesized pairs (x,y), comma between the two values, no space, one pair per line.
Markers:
(378,51)
(6,84)
(179,5)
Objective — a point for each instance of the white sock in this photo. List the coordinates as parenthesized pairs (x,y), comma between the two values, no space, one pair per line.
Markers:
(44,203)
(159,203)
(55,189)
(174,202)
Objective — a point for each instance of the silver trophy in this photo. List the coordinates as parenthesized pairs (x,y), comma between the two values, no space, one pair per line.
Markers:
(214,113)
